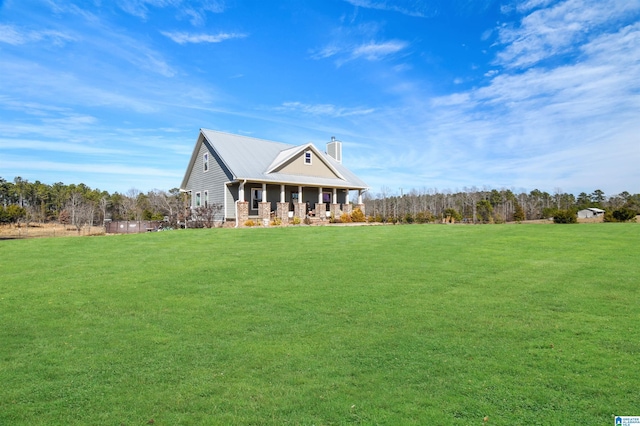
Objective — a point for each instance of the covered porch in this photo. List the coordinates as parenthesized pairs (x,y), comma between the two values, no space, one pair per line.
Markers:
(264,202)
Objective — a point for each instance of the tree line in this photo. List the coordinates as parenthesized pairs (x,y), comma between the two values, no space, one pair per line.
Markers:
(474,205)
(80,205)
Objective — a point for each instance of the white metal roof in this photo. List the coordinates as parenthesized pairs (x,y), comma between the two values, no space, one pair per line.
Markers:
(252,159)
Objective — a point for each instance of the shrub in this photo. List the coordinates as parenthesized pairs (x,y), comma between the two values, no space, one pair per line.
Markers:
(249,223)
(295,220)
(358,216)
(345,218)
(549,212)
(408,218)
(452,215)
(518,214)
(620,215)
(64,217)
(424,217)
(624,214)
(565,216)
(276,221)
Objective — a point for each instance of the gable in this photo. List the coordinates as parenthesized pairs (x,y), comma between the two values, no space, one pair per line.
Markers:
(243,158)
(301,164)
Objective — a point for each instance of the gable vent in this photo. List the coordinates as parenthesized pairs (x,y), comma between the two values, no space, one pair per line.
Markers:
(334,149)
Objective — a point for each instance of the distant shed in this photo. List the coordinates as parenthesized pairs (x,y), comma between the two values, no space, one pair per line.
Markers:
(131,226)
(590,212)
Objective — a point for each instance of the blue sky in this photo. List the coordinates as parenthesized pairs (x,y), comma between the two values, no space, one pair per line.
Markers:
(437,94)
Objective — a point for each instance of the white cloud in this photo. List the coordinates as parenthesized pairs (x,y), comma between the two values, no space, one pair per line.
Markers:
(573,125)
(375,51)
(89,168)
(194,10)
(323,109)
(140,8)
(183,38)
(8,144)
(556,30)
(370,51)
(413,8)
(12,35)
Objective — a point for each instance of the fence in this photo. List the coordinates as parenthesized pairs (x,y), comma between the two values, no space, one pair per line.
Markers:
(131,226)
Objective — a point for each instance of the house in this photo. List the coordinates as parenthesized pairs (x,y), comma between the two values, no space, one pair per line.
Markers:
(257,179)
(590,212)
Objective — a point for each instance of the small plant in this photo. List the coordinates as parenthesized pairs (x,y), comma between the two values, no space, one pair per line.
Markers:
(423,217)
(249,223)
(295,220)
(276,221)
(345,218)
(565,216)
(358,216)
(620,215)
(518,214)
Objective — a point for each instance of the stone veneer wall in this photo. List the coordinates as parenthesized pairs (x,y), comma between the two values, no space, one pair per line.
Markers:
(361,207)
(282,212)
(347,208)
(264,212)
(320,209)
(299,210)
(335,211)
(243,212)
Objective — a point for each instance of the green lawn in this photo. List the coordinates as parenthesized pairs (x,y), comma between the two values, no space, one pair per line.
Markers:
(422,324)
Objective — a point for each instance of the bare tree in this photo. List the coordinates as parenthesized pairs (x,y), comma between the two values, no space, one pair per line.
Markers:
(129,204)
(206,215)
(81,211)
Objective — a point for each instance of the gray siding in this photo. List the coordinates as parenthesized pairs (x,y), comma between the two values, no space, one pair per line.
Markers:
(231,193)
(213,180)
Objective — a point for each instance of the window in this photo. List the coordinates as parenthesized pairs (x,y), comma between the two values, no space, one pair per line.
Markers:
(307,157)
(256,197)
(205,162)
(198,200)
(206,198)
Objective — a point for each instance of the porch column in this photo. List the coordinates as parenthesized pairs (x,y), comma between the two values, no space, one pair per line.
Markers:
(300,210)
(282,208)
(242,206)
(360,203)
(264,207)
(335,207)
(241,192)
(320,209)
(346,207)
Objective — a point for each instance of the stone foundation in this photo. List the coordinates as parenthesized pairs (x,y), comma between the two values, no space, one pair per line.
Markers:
(335,211)
(264,213)
(320,211)
(243,212)
(299,210)
(282,212)
(361,207)
(347,208)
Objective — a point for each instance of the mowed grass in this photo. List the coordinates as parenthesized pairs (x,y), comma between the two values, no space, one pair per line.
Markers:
(422,324)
